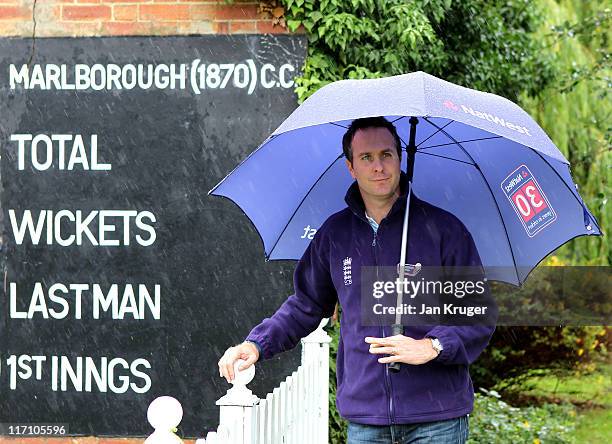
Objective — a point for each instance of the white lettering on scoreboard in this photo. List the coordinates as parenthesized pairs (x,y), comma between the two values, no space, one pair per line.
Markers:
(67,153)
(60,301)
(246,75)
(80,374)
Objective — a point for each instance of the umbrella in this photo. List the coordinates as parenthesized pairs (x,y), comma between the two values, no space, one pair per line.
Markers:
(475,154)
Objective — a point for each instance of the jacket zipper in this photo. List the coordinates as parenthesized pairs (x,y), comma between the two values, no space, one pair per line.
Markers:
(388,390)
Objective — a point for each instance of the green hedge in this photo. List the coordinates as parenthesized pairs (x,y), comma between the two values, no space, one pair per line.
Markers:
(495,422)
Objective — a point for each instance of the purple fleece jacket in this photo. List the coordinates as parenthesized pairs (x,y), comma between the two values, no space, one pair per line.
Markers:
(367,393)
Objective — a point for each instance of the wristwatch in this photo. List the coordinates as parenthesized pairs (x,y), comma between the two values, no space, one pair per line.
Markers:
(437,346)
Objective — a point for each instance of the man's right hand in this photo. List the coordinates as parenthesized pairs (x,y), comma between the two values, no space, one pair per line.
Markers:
(246,351)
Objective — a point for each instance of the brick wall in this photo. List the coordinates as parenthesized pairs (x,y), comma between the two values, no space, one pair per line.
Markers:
(79,18)
(4,440)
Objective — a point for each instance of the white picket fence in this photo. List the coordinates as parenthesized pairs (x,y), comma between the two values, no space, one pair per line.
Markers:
(295,412)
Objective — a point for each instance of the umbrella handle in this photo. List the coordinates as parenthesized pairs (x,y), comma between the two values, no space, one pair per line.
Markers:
(396,329)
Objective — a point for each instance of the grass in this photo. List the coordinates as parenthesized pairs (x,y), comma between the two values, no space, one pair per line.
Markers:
(589,390)
(594,426)
(590,393)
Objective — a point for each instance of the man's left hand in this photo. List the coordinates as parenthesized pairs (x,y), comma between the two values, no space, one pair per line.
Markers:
(402,349)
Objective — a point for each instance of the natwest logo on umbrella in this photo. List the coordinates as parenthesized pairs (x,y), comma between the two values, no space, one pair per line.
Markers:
(514,181)
(486,116)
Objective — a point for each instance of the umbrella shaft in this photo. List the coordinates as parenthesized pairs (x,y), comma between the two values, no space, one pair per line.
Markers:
(402,267)
(411,148)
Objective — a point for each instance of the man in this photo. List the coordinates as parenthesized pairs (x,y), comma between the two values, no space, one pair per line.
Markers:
(429,399)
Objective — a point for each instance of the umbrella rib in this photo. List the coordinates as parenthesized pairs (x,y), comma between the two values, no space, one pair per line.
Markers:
(445,157)
(431,135)
(337,124)
(462,141)
(568,187)
(398,136)
(490,191)
(302,201)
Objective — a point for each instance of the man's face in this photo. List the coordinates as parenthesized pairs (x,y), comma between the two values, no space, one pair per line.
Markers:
(376,165)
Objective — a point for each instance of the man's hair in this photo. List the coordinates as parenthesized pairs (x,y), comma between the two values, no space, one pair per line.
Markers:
(368,122)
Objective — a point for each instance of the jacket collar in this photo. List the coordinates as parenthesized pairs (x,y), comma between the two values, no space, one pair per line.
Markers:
(355,202)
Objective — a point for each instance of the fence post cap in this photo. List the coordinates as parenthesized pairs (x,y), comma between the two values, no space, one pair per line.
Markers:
(164,414)
(239,394)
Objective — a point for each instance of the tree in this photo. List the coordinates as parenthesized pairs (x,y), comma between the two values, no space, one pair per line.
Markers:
(575,110)
(487,45)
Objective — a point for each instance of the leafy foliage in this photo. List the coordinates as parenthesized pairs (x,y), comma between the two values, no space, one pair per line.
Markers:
(496,422)
(337,424)
(515,352)
(575,111)
(482,44)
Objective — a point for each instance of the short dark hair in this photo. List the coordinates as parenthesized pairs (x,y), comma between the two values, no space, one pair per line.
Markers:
(368,122)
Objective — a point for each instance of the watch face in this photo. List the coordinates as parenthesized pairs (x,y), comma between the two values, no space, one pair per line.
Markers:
(436,344)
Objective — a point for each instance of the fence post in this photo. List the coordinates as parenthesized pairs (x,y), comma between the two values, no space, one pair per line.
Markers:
(237,410)
(315,350)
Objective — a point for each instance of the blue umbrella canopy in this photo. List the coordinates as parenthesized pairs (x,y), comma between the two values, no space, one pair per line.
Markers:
(479,156)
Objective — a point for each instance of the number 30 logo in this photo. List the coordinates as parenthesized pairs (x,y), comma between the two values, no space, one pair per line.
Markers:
(528,200)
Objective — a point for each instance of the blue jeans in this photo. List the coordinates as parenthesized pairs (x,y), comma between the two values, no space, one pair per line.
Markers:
(448,431)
